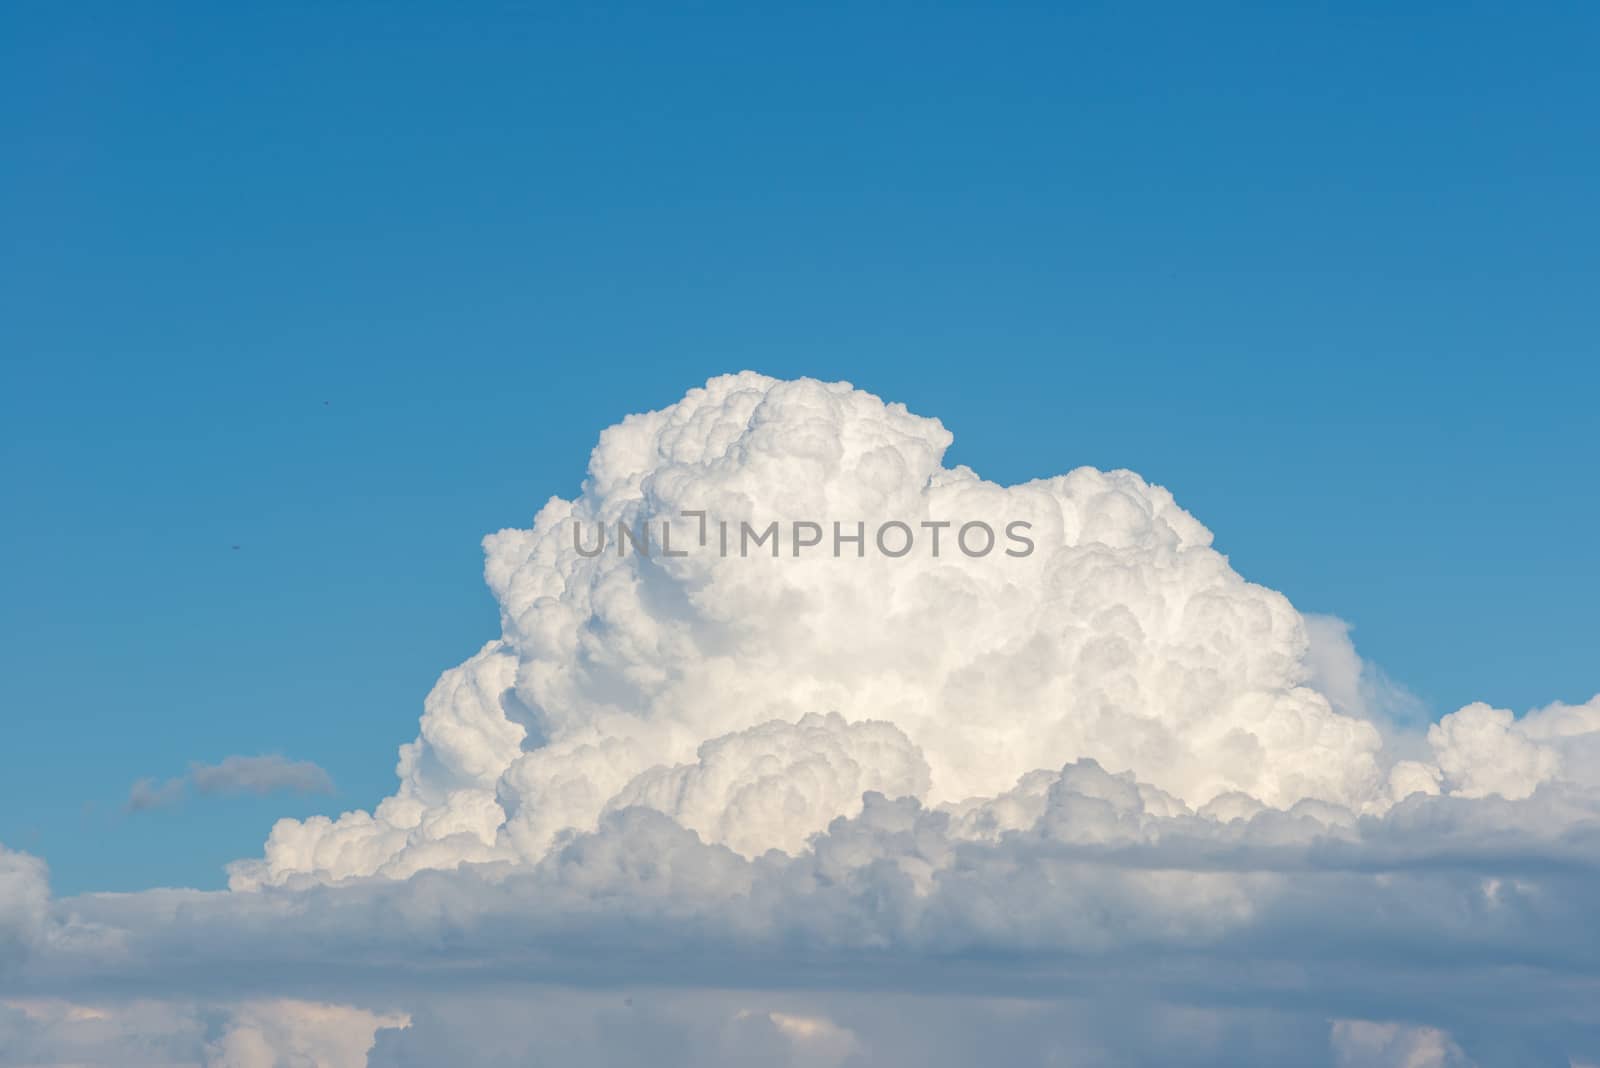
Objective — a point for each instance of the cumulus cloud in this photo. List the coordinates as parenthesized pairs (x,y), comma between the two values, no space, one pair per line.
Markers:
(258,775)
(766,787)
(1481,750)
(1105,799)
(1124,636)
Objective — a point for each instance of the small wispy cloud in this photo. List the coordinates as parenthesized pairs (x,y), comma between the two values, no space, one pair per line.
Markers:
(260,775)
(231,776)
(151,793)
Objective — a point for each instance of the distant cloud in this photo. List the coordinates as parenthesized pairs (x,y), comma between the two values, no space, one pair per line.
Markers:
(150,793)
(258,775)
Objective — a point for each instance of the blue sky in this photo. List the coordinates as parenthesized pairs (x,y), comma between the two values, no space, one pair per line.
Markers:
(352,289)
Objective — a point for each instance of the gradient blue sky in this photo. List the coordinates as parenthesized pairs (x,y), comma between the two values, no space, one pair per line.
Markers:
(352,288)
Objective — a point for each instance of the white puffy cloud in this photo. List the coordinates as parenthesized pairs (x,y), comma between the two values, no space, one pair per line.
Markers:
(1123,636)
(1106,802)
(1481,750)
(445,811)
(771,786)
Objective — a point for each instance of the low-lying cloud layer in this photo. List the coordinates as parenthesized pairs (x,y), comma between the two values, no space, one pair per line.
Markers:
(1106,801)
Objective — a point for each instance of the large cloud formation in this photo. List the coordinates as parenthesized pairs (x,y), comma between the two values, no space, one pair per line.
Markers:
(1103,797)
(684,682)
